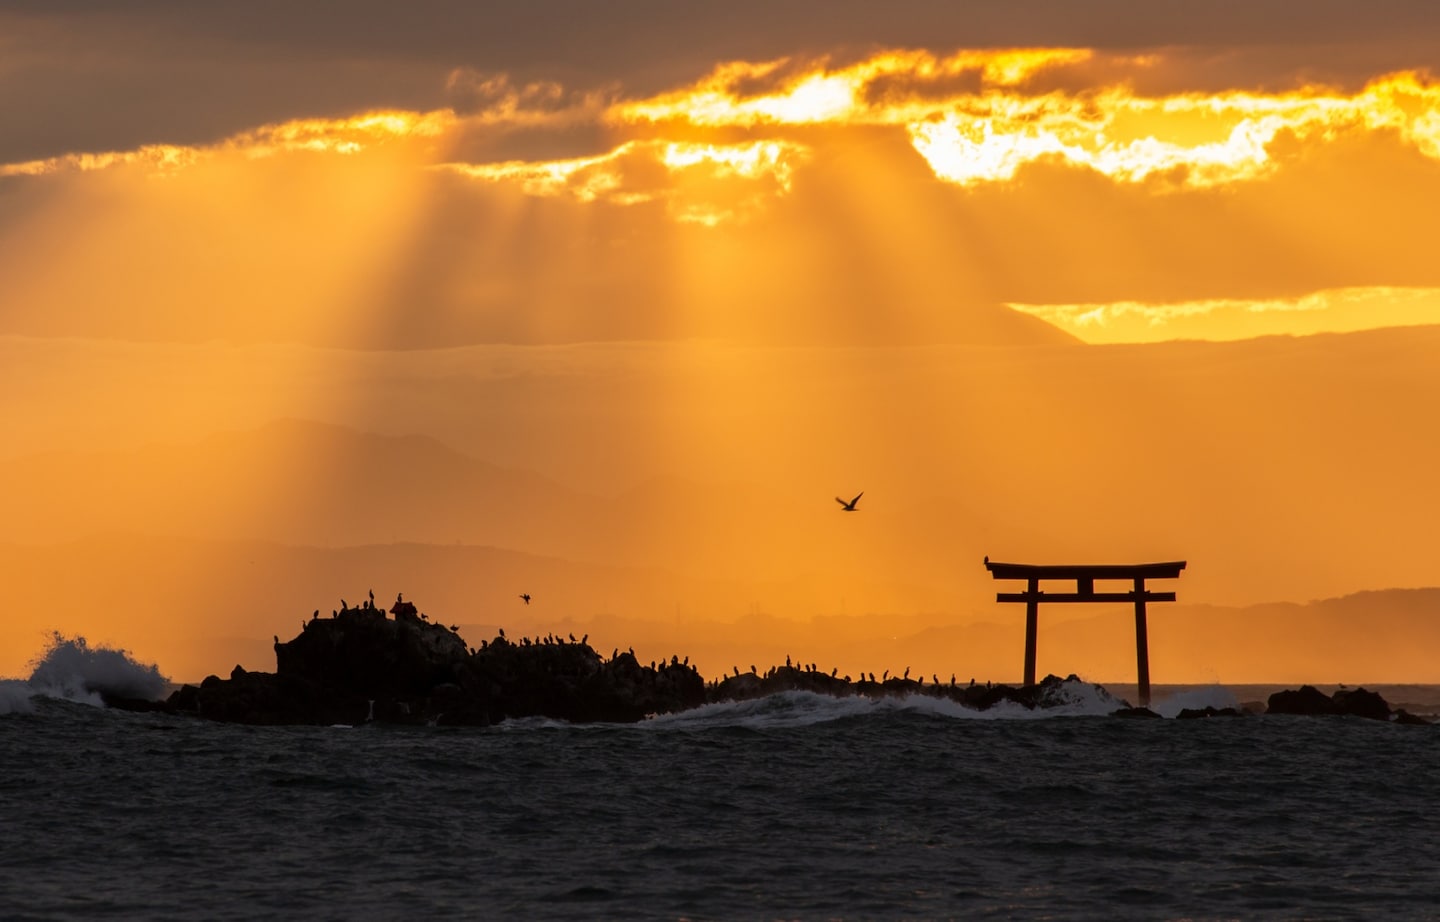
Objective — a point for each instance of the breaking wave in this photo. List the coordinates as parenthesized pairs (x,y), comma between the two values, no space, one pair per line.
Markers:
(71,669)
(1071,698)
(1215,696)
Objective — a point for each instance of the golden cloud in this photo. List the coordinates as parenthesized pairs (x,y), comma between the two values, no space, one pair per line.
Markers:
(987,128)
(1330,310)
(700,183)
(494,99)
(331,136)
(975,117)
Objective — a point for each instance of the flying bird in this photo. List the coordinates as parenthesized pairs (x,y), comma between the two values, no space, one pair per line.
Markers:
(850,506)
(526,597)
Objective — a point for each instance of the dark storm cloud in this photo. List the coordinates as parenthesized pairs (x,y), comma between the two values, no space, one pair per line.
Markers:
(93,75)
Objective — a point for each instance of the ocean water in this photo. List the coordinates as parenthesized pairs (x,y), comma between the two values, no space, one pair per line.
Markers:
(794,806)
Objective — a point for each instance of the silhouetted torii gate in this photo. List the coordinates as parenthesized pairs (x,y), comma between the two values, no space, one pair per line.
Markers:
(1085,576)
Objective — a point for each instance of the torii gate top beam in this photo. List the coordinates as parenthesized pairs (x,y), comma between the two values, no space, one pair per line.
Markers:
(1170,570)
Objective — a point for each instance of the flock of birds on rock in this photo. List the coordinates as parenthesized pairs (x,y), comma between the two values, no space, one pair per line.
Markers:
(811,669)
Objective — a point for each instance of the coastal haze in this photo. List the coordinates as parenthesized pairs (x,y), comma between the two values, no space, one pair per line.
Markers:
(467,311)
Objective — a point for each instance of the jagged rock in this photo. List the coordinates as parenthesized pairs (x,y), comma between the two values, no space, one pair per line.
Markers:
(362,651)
(1307,700)
(361,665)
(1359,702)
(1142,713)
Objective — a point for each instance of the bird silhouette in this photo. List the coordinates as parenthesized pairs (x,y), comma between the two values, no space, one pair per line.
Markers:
(850,506)
(526,597)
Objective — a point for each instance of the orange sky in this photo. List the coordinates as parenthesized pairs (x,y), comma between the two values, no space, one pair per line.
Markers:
(636,310)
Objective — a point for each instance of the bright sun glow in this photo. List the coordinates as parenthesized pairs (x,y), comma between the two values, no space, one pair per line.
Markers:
(974,116)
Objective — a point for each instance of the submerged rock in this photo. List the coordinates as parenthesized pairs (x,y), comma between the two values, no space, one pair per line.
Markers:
(1403,716)
(1208,711)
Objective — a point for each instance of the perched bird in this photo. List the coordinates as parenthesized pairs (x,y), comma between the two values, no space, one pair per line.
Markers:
(850,506)
(526,597)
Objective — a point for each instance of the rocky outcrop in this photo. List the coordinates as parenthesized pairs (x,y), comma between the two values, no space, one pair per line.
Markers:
(1346,702)
(360,665)
(1307,700)
(1361,703)
(360,650)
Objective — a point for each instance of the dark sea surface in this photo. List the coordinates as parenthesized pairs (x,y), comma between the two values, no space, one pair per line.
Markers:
(794,806)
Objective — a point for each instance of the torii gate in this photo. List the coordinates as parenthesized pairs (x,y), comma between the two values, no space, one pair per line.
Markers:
(1085,576)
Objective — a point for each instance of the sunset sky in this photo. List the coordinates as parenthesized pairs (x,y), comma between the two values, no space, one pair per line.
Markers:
(606,302)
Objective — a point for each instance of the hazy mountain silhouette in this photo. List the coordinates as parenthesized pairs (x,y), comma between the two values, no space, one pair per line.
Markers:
(1280,468)
(305,483)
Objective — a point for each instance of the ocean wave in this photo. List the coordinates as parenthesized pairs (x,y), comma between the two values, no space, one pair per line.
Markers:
(71,669)
(15,697)
(1072,698)
(1214,696)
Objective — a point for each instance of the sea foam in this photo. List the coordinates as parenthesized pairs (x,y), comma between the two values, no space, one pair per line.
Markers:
(72,669)
(1072,698)
(1215,696)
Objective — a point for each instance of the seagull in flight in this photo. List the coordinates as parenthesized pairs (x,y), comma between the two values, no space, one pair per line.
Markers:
(850,506)
(526,597)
